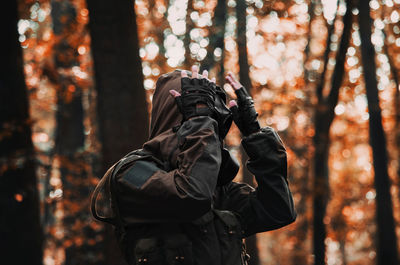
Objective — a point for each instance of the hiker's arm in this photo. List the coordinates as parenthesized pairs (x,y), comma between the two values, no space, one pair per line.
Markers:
(270,205)
(184,193)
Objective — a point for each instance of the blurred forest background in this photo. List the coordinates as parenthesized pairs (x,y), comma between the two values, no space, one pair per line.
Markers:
(76,86)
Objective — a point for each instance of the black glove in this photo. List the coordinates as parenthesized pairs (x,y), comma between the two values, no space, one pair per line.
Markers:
(197,98)
(200,97)
(244,114)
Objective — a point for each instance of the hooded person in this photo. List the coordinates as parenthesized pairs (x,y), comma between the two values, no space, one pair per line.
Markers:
(174,200)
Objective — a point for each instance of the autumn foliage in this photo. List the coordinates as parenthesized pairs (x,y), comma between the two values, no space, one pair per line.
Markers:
(305,68)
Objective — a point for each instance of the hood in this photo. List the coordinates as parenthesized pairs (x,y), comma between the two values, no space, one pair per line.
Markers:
(165,115)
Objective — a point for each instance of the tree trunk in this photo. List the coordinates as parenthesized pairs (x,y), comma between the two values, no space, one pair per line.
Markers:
(396,100)
(122,105)
(217,37)
(343,251)
(311,13)
(69,133)
(244,78)
(300,253)
(187,40)
(324,116)
(157,32)
(20,231)
(386,234)
(80,238)
(121,100)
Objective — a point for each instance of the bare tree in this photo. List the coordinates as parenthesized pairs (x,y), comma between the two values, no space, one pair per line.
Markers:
(70,139)
(324,115)
(187,39)
(20,230)
(386,233)
(299,254)
(244,78)
(217,37)
(394,72)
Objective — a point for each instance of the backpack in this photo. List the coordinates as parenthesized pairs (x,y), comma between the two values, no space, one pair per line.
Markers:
(108,182)
(176,246)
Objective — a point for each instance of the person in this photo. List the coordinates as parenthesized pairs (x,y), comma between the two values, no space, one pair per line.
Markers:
(175,198)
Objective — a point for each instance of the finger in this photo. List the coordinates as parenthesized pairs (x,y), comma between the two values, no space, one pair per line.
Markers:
(184,73)
(195,71)
(232,78)
(205,74)
(213,80)
(232,81)
(174,93)
(232,103)
(229,80)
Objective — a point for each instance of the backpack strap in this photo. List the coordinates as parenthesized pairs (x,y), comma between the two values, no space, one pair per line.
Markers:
(104,180)
(107,179)
(131,157)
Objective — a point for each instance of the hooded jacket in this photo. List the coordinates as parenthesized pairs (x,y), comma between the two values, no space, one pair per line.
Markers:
(178,213)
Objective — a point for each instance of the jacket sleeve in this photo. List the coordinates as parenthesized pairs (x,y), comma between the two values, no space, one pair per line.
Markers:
(151,194)
(270,205)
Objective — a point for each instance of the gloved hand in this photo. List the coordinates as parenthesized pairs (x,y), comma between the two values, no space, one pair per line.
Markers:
(202,97)
(243,112)
(197,98)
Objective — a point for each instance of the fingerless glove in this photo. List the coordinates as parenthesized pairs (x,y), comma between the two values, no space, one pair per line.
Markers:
(244,114)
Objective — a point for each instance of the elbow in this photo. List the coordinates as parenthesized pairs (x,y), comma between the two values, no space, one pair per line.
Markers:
(191,203)
(291,218)
(194,195)
(291,212)
(287,219)
(285,216)
(194,208)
